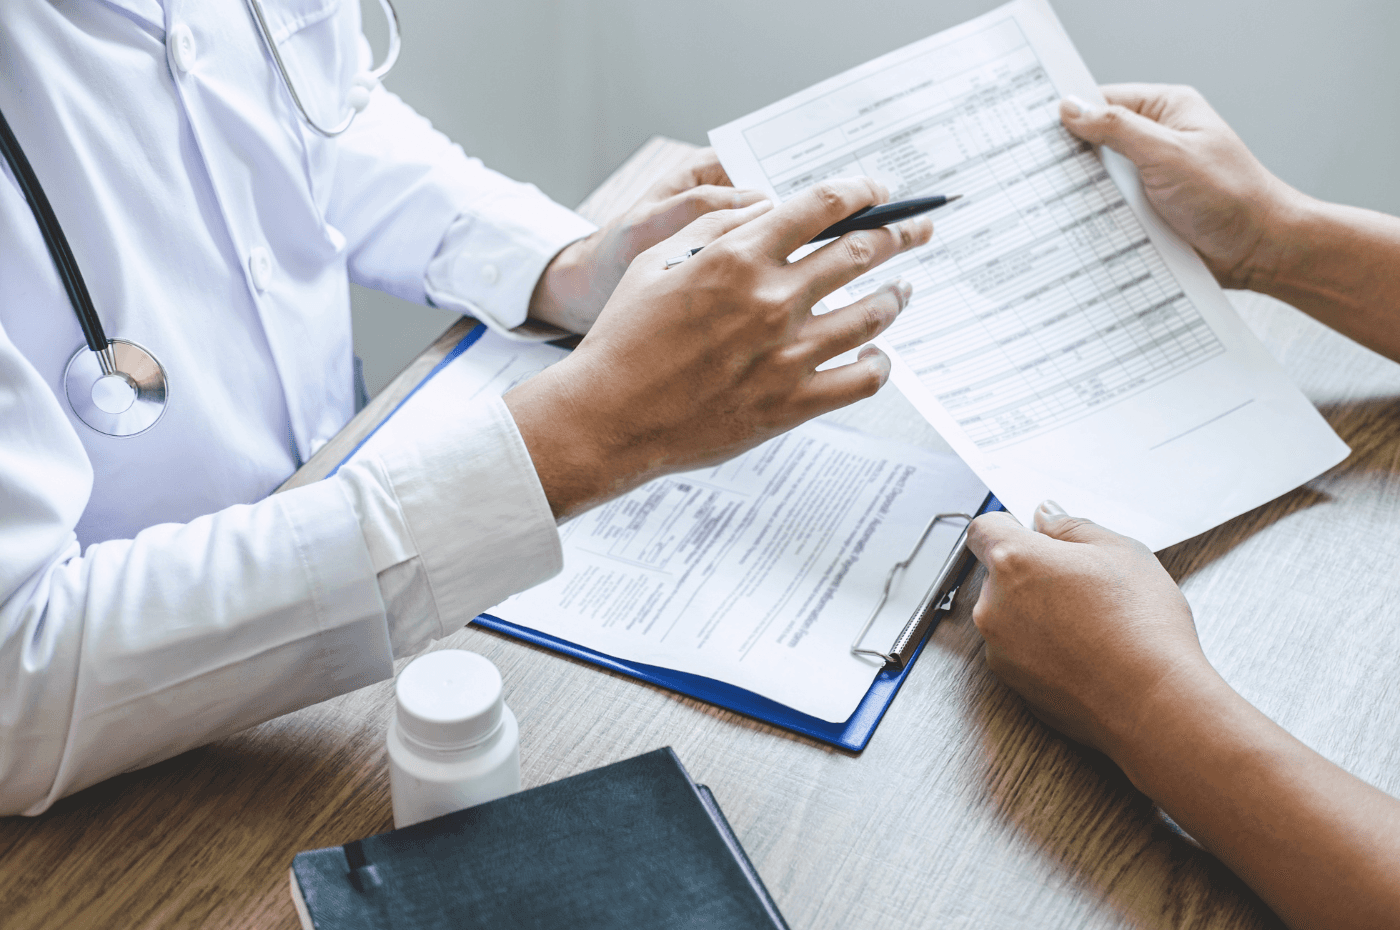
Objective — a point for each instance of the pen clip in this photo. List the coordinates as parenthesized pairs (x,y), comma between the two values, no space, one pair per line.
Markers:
(677,259)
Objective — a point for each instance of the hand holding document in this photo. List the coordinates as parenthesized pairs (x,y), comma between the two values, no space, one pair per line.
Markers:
(1062,338)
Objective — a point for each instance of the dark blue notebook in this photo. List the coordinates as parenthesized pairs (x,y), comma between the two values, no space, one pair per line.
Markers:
(636,845)
(853,733)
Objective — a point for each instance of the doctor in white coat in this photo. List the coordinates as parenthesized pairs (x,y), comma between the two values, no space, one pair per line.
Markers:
(152,597)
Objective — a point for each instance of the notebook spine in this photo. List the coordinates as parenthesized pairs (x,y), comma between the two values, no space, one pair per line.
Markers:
(736,849)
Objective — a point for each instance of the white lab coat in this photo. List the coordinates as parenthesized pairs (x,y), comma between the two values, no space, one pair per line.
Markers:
(151,596)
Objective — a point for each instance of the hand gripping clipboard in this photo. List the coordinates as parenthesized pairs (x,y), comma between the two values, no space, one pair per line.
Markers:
(852,734)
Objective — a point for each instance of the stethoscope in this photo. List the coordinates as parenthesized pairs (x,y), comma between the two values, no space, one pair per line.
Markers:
(358,98)
(115,386)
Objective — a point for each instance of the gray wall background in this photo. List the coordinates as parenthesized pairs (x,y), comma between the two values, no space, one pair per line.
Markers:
(559,92)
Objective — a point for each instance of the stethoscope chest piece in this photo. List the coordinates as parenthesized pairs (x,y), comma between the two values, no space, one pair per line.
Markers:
(123,403)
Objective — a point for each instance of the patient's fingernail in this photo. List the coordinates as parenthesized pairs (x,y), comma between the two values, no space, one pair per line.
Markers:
(1046,512)
(1075,107)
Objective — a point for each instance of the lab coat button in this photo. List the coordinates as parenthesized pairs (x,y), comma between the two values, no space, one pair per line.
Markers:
(260,267)
(489,274)
(182,48)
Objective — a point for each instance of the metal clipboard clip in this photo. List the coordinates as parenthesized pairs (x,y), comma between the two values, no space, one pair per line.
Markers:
(934,602)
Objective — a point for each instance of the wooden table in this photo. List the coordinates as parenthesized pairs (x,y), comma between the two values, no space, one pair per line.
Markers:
(963,812)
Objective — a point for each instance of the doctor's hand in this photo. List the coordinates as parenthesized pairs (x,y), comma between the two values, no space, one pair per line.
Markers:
(1199,175)
(1085,624)
(580,279)
(690,365)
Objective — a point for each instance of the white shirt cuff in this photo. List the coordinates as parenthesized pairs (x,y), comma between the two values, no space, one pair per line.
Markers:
(487,266)
(452,511)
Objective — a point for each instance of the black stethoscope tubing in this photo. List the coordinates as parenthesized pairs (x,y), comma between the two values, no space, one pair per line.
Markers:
(121,388)
(118,388)
(54,238)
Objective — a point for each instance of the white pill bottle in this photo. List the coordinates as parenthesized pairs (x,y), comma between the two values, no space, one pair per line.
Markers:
(453,742)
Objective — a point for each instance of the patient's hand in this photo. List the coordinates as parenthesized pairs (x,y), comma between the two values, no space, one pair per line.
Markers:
(692,364)
(1087,626)
(578,282)
(1197,172)
(1084,623)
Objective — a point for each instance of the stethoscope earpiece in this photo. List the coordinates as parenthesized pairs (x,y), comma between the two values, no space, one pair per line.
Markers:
(123,402)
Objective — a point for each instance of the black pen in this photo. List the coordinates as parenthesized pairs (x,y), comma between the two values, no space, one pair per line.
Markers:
(870,218)
(883,214)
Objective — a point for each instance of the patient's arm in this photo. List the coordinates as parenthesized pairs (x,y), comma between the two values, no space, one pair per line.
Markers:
(1090,629)
(1339,264)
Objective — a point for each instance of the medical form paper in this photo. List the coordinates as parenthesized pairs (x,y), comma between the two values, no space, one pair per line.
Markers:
(1061,337)
(758,572)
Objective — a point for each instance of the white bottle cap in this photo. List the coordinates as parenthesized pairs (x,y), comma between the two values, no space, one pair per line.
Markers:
(449,699)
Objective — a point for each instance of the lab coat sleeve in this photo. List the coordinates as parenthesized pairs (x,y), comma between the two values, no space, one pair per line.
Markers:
(439,566)
(405,196)
(137,650)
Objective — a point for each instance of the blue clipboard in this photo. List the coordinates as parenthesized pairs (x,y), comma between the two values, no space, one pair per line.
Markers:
(853,733)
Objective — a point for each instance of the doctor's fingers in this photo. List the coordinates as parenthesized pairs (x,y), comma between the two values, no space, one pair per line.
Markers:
(830,334)
(680,210)
(843,260)
(842,386)
(701,168)
(793,223)
(706,230)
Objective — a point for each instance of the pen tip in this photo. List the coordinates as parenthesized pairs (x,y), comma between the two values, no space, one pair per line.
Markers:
(954,197)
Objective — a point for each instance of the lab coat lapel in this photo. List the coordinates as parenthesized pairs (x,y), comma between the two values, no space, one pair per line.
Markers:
(146,12)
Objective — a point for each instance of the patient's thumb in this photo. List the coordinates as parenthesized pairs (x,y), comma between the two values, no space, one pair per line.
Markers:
(1129,133)
(1051,520)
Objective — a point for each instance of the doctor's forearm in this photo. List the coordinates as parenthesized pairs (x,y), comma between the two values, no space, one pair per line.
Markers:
(140,649)
(564,295)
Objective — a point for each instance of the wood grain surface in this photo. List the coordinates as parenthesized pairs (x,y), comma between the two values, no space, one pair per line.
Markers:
(963,812)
